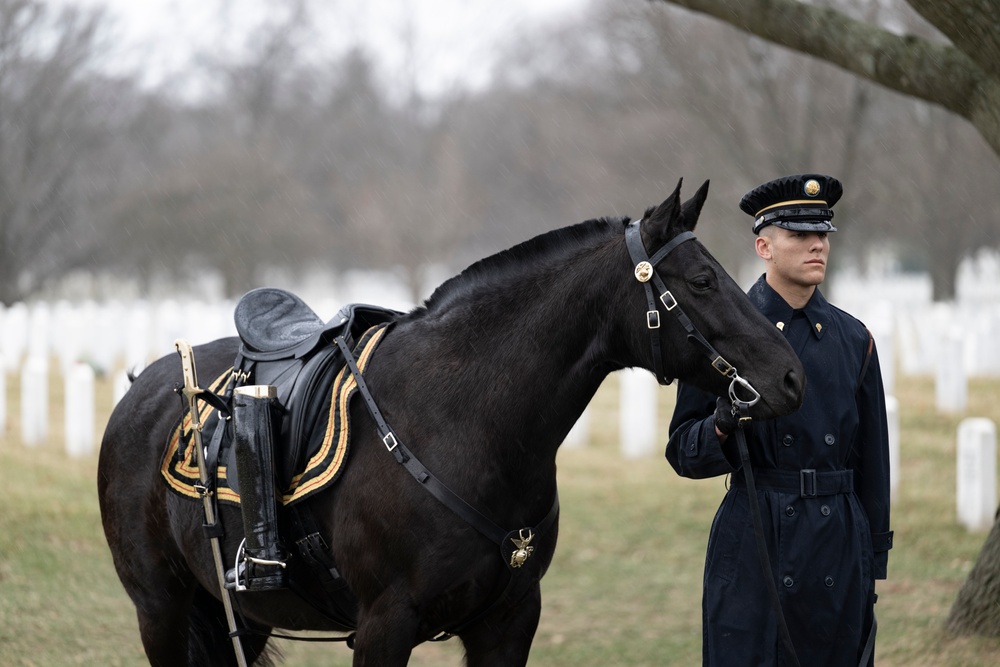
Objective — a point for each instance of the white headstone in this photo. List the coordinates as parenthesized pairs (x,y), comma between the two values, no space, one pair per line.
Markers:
(3,397)
(976,473)
(892,417)
(580,433)
(119,387)
(951,384)
(39,329)
(637,413)
(138,337)
(34,401)
(79,407)
(884,332)
(14,335)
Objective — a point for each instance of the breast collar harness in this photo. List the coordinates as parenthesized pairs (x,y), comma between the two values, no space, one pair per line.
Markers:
(645,271)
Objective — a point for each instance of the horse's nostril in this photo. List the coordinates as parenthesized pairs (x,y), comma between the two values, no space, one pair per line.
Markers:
(793,383)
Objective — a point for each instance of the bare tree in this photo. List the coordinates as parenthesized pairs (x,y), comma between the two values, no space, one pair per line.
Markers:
(52,126)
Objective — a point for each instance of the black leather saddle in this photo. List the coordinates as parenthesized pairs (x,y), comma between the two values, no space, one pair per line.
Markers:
(286,344)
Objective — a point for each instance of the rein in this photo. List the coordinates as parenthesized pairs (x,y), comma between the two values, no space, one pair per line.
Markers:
(742,409)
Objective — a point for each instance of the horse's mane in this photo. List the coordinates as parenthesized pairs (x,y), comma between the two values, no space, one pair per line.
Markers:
(549,248)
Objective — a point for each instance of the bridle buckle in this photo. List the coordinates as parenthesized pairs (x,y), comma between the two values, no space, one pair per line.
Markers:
(668,300)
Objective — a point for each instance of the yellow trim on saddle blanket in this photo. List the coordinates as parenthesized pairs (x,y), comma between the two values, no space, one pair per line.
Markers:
(320,471)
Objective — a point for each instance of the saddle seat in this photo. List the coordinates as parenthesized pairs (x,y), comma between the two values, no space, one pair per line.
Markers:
(284,343)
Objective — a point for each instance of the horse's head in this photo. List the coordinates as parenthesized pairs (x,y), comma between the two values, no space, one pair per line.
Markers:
(700,308)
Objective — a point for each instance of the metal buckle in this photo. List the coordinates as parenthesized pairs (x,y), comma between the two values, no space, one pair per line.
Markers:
(389,441)
(807,483)
(722,365)
(653,319)
(668,300)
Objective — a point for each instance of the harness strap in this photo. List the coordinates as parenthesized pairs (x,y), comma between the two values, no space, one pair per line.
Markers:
(636,250)
(425,477)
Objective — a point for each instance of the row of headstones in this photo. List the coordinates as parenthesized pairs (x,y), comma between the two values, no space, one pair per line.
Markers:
(638,432)
(114,333)
(976,465)
(78,405)
(959,335)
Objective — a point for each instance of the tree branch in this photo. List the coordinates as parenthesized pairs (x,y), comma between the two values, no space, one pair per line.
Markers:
(973,26)
(938,73)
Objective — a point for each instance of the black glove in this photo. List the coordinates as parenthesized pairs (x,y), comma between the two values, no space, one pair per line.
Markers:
(725,421)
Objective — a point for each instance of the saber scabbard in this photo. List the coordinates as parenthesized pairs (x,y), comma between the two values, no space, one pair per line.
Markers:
(191,391)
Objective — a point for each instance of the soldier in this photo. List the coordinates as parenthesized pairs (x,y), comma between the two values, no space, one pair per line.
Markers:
(822,473)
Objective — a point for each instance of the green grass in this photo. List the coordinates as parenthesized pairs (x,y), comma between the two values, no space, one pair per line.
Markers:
(624,589)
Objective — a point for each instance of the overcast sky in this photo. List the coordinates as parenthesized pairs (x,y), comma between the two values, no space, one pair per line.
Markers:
(453,40)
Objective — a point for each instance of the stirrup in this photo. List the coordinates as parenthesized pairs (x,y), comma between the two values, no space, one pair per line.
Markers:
(266,574)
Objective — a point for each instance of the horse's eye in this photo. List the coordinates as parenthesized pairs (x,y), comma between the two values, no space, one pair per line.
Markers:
(701,283)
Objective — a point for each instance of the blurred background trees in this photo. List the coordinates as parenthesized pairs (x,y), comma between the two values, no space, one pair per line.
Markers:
(271,157)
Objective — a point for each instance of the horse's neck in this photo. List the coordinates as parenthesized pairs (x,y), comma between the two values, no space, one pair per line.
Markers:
(527,359)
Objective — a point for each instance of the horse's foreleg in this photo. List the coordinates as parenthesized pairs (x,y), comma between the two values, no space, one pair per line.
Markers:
(504,639)
(386,634)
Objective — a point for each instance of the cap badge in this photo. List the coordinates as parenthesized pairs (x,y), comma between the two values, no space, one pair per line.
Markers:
(811,187)
(643,272)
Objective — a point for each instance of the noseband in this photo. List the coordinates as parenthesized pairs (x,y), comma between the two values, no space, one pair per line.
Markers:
(645,271)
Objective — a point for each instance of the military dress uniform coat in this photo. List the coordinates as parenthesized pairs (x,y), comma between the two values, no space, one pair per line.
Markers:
(822,478)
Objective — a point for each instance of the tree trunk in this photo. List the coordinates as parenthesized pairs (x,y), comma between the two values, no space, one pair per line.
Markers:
(976,610)
(944,276)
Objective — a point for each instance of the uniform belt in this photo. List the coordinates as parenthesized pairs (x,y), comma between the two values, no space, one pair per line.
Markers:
(807,483)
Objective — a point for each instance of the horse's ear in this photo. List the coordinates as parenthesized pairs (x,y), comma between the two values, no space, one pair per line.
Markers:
(660,219)
(692,208)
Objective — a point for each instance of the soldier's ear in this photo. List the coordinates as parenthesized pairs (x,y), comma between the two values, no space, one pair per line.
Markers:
(762,244)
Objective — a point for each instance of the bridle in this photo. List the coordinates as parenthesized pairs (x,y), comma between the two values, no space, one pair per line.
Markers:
(645,271)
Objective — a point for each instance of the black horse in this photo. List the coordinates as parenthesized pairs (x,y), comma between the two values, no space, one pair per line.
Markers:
(482,383)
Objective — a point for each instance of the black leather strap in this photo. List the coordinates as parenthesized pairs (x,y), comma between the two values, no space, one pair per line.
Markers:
(426,478)
(870,644)
(758,529)
(637,252)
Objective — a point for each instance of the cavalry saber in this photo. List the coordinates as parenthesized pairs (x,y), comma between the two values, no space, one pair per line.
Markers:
(191,390)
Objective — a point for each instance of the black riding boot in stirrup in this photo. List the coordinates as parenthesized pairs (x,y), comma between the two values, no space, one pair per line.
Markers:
(261,563)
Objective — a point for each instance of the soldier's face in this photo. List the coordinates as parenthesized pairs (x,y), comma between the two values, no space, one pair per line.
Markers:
(796,258)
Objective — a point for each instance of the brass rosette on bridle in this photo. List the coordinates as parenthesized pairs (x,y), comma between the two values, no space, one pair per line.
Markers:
(643,272)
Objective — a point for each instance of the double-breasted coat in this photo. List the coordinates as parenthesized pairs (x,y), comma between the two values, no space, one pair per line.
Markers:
(822,478)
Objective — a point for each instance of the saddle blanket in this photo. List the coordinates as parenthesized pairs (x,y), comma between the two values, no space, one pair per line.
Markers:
(328,444)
